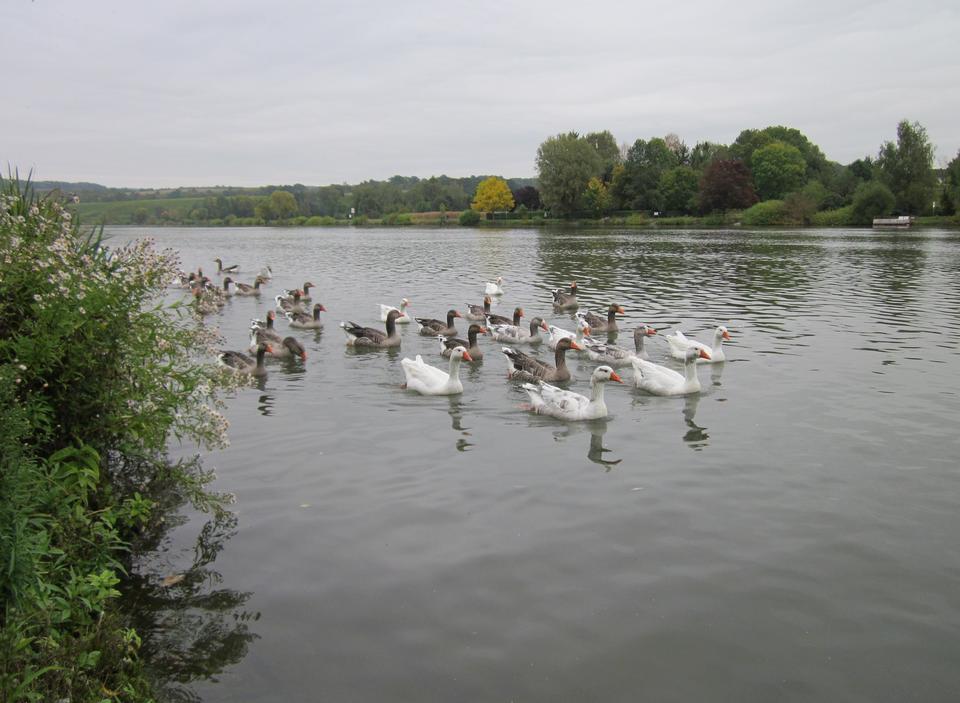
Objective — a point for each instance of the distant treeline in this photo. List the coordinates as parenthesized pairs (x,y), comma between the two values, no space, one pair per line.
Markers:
(773,176)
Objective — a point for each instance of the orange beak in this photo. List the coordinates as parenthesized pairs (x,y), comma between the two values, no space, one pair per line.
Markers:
(703,354)
(303,356)
(621,310)
(543,326)
(467,357)
(726,335)
(521,312)
(615,377)
(574,345)
(586,331)
(322,309)
(456,314)
(269,349)
(573,285)
(483,330)
(651,331)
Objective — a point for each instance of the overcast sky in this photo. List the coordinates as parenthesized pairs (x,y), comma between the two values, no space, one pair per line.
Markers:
(183,92)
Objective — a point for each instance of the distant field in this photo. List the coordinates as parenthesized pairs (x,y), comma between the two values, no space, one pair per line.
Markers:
(128,212)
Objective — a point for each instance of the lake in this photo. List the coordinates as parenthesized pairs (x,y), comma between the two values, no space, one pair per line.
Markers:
(790,534)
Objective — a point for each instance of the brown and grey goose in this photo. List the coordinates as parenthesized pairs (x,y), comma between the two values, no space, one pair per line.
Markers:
(288,348)
(618,357)
(598,324)
(430,327)
(516,334)
(525,368)
(221,269)
(245,288)
(501,320)
(565,301)
(304,321)
(358,336)
(448,344)
(239,362)
(267,333)
(479,312)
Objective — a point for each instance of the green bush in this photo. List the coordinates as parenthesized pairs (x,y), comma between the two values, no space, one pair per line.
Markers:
(839,217)
(766,214)
(469,218)
(360,220)
(94,376)
(870,200)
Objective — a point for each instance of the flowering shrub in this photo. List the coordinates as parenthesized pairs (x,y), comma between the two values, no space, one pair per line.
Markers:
(96,376)
(91,353)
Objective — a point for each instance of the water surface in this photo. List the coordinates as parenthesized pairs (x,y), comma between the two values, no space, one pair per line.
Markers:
(789,534)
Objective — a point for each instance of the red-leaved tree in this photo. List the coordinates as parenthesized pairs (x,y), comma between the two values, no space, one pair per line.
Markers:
(726,185)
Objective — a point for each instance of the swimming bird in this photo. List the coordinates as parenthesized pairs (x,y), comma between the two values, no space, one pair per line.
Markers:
(598,324)
(268,333)
(565,301)
(358,336)
(617,357)
(680,343)
(404,318)
(659,380)
(448,344)
(518,334)
(221,269)
(558,333)
(289,347)
(430,327)
(429,380)
(479,312)
(522,367)
(494,288)
(246,289)
(567,405)
(303,321)
(501,320)
(238,362)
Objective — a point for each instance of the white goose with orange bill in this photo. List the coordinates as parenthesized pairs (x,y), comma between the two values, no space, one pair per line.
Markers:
(659,380)
(680,343)
(567,405)
(429,380)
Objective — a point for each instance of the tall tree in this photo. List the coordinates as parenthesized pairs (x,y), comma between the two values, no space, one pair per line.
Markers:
(778,168)
(493,195)
(646,161)
(608,151)
(906,168)
(596,199)
(565,164)
(678,189)
(951,187)
(726,185)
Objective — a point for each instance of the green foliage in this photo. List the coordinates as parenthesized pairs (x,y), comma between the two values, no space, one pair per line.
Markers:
(596,198)
(469,218)
(678,189)
(90,368)
(750,140)
(636,188)
(906,168)
(766,214)
(607,149)
(839,217)
(565,164)
(800,208)
(950,194)
(871,200)
(493,195)
(397,218)
(778,168)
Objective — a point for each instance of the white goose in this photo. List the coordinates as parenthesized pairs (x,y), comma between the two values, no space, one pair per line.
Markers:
(680,343)
(659,380)
(429,380)
(567,405)
(494,288)
(404,318)
(558,333)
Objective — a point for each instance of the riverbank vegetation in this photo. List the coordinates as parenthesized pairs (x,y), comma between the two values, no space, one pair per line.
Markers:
(774,176)
(96,376)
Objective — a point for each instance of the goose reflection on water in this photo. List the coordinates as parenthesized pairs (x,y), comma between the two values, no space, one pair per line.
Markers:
(456,422)
(595,428)
(696,436)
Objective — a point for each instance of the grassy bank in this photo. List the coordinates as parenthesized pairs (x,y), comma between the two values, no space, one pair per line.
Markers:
(94,379)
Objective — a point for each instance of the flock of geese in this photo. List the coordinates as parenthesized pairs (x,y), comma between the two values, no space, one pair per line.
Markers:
(535,374)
